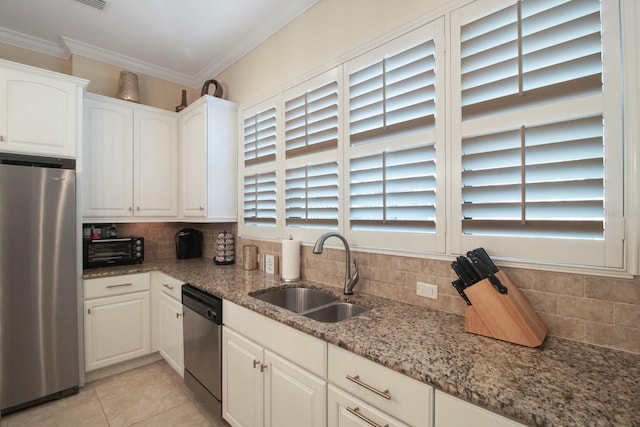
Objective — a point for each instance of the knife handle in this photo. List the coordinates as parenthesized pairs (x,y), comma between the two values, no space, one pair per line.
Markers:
(459,286)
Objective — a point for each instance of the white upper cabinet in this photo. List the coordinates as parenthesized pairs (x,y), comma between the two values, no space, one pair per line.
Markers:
(208,161)
(130,160)
(40,112)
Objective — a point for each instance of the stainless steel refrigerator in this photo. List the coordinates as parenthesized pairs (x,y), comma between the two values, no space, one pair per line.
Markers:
(38,281)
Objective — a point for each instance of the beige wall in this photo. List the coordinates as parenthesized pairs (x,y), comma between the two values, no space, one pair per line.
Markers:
(28,57)
(103,80)
(103,77)
(325,34)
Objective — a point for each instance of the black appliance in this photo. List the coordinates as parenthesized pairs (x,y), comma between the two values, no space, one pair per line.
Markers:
(202,325)
(188,243)
(107,252)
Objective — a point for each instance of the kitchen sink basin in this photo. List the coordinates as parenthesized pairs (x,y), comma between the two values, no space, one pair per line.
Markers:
(312,303)
(335,312)
(297,300)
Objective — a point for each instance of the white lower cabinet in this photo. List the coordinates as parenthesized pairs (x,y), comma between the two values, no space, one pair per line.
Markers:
(171,345)
(451,411)
(271,386)
(166,315)
(344,410)
(116,327)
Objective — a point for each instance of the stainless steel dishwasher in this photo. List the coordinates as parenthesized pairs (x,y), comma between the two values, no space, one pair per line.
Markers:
(202,327)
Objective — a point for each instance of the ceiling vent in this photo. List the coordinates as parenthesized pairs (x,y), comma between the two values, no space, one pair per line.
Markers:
(97,4)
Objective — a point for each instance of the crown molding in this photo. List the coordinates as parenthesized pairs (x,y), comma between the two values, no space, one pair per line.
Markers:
(35,44)
(131,64)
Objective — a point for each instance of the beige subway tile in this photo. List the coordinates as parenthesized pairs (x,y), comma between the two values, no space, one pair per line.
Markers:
(458,306)
(520,277)
(564,327)
(436,268)
(627,315)
(384,275)
(542,301)
(407,264)
(585,308)
(618,290)
(558,283)
(619,337)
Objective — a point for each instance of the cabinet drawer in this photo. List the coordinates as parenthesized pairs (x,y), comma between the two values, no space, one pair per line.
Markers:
(404,398)
(345,410)
(170,286)
(116,285)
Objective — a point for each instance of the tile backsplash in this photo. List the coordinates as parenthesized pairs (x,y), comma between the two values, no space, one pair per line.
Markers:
(595,310)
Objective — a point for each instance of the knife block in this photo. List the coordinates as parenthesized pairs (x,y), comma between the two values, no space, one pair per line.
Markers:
(507,317)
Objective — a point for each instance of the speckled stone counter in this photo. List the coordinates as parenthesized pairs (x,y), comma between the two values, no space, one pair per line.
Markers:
(561,383)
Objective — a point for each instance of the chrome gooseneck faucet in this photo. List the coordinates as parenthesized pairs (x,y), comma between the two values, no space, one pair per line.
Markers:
(349,280)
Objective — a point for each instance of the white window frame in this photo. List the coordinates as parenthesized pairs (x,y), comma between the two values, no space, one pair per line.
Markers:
(399,241)
(258,231)
(606,253)
(310,234)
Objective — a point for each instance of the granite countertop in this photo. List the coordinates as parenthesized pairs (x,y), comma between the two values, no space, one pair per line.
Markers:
(560,383)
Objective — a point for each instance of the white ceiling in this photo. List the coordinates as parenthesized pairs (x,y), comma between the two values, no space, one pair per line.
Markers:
(184,41)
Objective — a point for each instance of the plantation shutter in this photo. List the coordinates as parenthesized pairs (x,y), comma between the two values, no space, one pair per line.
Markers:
(311,121)
(536,134)
(260,199)
(394,191)
(396,126)
(312,196)
(311,155)
(545,179)
(393,95)
(260,137)
(260,169)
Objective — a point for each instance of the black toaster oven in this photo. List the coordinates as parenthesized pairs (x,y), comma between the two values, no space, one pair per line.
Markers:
(116,251)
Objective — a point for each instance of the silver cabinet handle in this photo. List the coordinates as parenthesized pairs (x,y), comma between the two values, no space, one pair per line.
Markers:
(201,208)
(263,367)
(385,394)
(356,411)
(255,363)
(119,286)
(130,209)
(168,286)
(178,315)
(1,138)
(138,208)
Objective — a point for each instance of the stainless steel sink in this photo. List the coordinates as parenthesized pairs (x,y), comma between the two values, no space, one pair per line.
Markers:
(297,300)
(312,303)
(335,312)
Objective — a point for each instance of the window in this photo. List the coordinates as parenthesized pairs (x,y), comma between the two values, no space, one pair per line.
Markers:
(534,132)
(259,204)
(396,143)
(311,147)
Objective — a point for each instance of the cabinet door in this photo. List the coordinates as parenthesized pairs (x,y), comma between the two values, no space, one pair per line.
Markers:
(171,346)
(38,113)
(108,160)
(193,158)
(242,380)
(344,410)
(116,329)
(293,396)
(155,142)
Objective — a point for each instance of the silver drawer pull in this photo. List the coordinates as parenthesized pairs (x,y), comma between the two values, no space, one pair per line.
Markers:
(178,315)
(119,286)
(168,286)
(356,411)
(256,363)
(356,380)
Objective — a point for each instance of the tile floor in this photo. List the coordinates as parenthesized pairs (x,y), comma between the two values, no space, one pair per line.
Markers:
(152,395)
